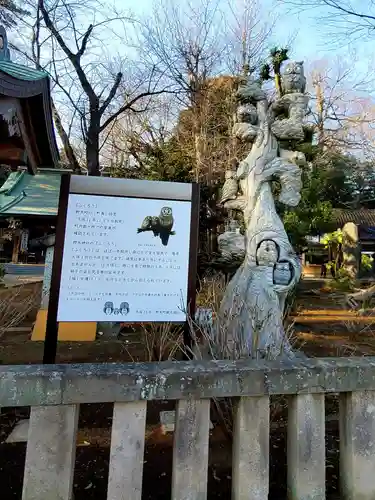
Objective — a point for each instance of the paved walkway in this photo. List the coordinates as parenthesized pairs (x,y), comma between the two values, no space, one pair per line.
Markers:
(14,280)
(24,269)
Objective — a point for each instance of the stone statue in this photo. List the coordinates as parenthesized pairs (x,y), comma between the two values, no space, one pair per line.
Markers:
(231,243)
(293,79)
(230,188)
(250,320)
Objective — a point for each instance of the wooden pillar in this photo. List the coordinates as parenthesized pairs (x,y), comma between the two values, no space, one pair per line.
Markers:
(127,446)
(16,247)
(190,451)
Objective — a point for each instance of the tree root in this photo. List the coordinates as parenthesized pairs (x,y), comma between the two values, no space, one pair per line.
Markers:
(352,299)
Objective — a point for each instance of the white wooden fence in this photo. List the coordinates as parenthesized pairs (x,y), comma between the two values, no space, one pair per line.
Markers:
(55,392)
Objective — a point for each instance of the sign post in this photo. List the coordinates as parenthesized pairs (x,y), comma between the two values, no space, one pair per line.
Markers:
(126,251)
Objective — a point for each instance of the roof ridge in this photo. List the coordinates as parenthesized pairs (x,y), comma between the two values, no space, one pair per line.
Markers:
(21,71)
(10,184)
(13,202)
(52,170)
(347,210)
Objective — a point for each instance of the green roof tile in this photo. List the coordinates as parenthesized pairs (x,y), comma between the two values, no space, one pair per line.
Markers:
(26,194)
(22,72)
(13,179)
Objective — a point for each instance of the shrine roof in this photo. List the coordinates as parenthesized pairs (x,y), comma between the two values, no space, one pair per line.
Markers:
(26,194)
(363,216)
(31,89)
(22,72)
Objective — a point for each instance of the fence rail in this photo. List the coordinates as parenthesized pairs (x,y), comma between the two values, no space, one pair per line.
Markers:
(54,393)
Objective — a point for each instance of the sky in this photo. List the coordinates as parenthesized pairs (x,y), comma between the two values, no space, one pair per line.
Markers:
(316,40)
(311,40)
(308,43)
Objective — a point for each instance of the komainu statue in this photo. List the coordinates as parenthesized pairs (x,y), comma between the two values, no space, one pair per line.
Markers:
(250,320)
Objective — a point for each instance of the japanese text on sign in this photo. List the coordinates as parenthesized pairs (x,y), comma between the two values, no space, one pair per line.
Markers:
(125,259)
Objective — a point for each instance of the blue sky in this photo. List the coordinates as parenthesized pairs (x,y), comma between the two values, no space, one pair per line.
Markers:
(309,43)
(311,39)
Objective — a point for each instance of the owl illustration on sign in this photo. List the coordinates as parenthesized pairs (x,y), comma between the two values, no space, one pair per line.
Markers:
(160,225)
(293,79)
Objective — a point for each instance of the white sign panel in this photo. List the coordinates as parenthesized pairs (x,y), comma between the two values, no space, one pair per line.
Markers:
(125,260)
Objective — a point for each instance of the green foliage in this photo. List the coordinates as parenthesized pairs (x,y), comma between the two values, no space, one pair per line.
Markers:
(344,180)
(2,272)
(334,238)
(271,69)
(169,163)
(312,216)
(278,56)
(366,262)
(265,72)
(330,180)
(343,281)
(307,220)
(165,161)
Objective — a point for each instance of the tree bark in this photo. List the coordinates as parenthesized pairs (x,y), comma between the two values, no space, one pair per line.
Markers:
(95,127)
(92,149)
(72,159)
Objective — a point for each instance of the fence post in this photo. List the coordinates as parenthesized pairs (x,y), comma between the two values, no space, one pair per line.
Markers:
(306,447)
(357,445)
(190,450)
(50,453)
(127,448)
(250,469)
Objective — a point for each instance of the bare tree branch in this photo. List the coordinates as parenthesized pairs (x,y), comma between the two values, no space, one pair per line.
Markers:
(340,111)
(348,19)
(85,39)
(74,58)
(111,95)
(128,106)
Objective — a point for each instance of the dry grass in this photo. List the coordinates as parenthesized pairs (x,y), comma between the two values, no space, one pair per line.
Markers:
(17,304)
(211,292)
(160,342)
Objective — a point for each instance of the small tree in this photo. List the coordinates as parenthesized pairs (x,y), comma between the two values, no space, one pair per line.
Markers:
(333,243)
(272,69)
(102,99)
